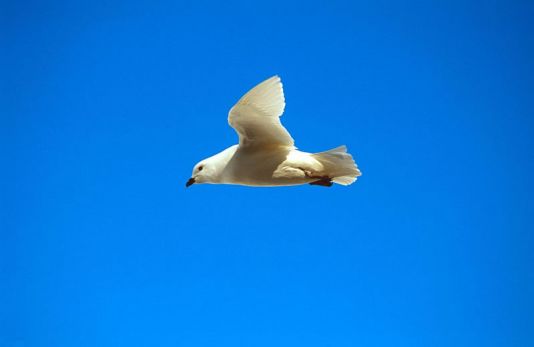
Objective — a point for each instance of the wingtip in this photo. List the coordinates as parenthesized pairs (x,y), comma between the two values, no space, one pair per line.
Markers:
(274,78)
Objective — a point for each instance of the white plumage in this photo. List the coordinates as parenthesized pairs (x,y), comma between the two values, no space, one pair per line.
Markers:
(256,116)
(266,155)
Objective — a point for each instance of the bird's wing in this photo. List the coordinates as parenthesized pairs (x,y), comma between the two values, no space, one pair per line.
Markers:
(256,116)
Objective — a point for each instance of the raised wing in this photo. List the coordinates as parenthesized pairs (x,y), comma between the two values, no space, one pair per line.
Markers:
(256,116)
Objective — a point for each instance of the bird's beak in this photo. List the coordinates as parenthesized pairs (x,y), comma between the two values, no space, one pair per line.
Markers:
(190,182)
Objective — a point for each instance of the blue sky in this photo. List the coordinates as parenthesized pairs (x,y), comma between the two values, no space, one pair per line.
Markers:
(106,107)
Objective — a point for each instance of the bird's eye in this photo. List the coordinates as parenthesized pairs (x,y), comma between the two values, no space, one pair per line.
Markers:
(200,168)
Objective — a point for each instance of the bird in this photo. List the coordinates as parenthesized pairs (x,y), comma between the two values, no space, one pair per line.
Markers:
(266,155)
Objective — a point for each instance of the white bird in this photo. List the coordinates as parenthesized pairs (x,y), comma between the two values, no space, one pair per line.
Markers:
(266,155)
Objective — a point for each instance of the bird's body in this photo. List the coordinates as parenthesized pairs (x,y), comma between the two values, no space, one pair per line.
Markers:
(266,155)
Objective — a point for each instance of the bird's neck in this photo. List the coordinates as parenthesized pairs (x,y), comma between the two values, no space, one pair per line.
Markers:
(220,163)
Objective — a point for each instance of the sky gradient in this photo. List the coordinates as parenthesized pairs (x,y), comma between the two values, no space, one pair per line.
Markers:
(106,106)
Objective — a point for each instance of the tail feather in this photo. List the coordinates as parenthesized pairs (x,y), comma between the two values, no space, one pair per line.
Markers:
(339,165)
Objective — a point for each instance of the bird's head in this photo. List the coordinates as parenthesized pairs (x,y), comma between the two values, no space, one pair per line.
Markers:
(203,172)
(211,170)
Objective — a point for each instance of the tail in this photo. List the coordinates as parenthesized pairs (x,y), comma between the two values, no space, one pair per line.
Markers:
(339,165)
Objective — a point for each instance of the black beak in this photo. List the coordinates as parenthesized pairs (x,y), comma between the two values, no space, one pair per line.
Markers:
(190,182)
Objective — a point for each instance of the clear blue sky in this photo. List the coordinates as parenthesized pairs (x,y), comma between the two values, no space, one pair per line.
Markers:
(106,106)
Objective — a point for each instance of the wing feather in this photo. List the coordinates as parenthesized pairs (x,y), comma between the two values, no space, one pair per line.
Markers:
(256,116)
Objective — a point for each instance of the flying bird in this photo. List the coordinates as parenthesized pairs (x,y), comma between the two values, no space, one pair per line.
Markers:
(266,154)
